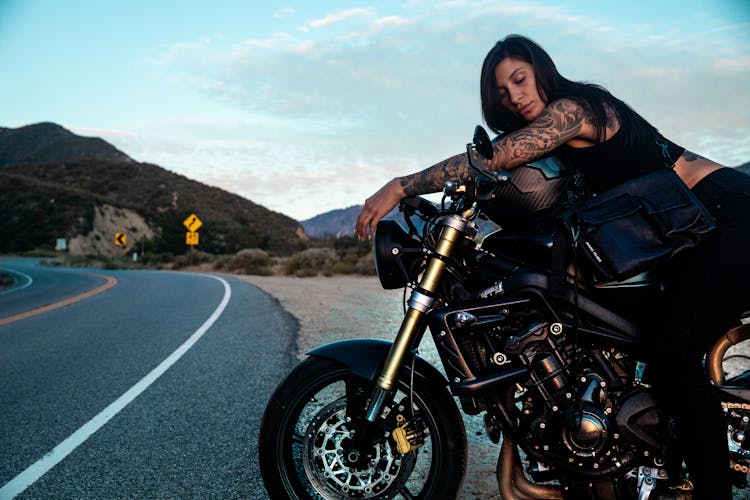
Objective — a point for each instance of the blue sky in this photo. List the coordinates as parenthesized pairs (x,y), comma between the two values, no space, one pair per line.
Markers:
(305,107)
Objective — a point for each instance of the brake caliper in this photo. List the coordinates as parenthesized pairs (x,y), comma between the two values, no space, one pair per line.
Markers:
(405,436)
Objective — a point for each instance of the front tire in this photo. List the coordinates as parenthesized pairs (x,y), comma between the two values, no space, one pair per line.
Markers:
(305,428)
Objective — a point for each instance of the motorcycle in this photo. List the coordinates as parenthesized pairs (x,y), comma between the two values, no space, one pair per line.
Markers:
(559,377)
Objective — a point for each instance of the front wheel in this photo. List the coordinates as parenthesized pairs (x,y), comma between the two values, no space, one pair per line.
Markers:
(305,432)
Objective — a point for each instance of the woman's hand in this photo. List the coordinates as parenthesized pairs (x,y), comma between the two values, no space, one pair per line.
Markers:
(376,207)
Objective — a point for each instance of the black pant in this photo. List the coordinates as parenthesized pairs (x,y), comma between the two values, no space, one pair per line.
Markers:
(707,291)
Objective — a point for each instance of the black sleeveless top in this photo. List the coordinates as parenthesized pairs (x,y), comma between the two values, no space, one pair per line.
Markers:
(609,163)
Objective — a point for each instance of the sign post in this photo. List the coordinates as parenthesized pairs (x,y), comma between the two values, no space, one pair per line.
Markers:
(192,223)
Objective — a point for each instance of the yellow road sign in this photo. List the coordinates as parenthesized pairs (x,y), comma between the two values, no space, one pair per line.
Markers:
(193,223)
(191,238)
(121,239)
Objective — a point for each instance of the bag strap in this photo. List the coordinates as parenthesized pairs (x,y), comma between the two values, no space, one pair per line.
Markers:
(562,254)
(564,244)
(661,142)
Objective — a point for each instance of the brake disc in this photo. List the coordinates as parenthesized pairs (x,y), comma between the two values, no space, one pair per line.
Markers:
(333,476)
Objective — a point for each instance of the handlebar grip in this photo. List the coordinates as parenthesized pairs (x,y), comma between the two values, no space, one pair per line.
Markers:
(417,203)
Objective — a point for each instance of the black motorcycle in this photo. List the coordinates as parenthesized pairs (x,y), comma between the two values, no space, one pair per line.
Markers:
(559,376)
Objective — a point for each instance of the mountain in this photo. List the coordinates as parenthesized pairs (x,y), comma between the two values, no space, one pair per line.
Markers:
(339,222)
(95,191)
(49,142)
(744,168)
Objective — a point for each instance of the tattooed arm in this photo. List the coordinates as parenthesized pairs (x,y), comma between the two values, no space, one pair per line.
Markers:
(560,122)
(433,179)
(386,198)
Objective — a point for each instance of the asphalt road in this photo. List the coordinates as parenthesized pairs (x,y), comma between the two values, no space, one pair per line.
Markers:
(153,388)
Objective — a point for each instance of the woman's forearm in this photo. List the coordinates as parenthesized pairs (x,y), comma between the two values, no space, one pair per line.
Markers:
(432,179)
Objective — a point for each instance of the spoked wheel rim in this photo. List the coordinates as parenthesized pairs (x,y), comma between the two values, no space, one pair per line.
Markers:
(318,429)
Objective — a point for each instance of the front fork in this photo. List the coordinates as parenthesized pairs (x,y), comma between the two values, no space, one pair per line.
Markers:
(455,228)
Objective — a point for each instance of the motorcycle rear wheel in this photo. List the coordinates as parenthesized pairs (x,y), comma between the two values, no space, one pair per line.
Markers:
(305,425)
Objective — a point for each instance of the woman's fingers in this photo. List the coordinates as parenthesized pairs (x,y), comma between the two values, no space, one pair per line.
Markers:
(376,207)
(364,222)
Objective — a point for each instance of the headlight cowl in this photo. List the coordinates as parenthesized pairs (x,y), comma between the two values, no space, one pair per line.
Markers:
(395,254)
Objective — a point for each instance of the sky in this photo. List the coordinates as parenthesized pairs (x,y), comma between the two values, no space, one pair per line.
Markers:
(306,107)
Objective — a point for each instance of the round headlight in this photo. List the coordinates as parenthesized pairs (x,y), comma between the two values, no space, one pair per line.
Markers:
(395,254)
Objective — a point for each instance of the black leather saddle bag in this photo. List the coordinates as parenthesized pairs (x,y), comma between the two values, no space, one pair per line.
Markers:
(630,228)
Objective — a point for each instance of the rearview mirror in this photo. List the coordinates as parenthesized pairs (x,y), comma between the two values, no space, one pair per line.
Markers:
(482,142)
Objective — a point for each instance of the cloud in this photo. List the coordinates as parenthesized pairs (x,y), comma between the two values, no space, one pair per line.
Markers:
(340,16)
(283,13)
(732,65)
(370,93)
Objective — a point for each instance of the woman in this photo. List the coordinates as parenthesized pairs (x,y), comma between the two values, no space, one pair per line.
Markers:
(538,111)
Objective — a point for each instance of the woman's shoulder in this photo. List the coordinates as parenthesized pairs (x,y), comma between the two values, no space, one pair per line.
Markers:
(568,113)
(579,109)
(566,105)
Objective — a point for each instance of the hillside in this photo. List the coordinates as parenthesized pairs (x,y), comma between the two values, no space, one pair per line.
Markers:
(337,223)
(49,142)
(89,199)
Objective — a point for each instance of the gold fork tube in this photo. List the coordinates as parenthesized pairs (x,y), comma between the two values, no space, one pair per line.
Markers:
(409,327)
(431,278)
(412,325)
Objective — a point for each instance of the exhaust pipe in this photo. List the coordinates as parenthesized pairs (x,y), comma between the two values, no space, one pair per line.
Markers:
(512,482)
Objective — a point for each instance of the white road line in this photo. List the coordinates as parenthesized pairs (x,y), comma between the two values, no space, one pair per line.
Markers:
(28,283)
(26,478)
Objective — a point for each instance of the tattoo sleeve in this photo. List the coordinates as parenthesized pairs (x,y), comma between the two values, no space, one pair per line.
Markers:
(433,179)
(561,121)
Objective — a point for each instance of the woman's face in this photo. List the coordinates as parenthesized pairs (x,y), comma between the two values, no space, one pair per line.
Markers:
(517,87)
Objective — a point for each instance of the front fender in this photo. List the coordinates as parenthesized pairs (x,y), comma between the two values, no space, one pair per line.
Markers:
(365,357)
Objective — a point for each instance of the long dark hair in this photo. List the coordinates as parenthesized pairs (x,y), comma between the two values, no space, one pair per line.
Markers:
(551,85)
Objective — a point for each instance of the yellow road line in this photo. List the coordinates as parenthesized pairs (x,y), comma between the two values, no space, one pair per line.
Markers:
(110,282)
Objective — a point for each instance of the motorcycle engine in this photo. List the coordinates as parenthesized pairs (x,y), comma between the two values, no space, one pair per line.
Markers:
(582,410)
(585,425)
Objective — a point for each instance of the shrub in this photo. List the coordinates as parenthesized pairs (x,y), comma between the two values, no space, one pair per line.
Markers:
(343,268)
(312,262)
(366,265)
(248,261)
(180,261)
